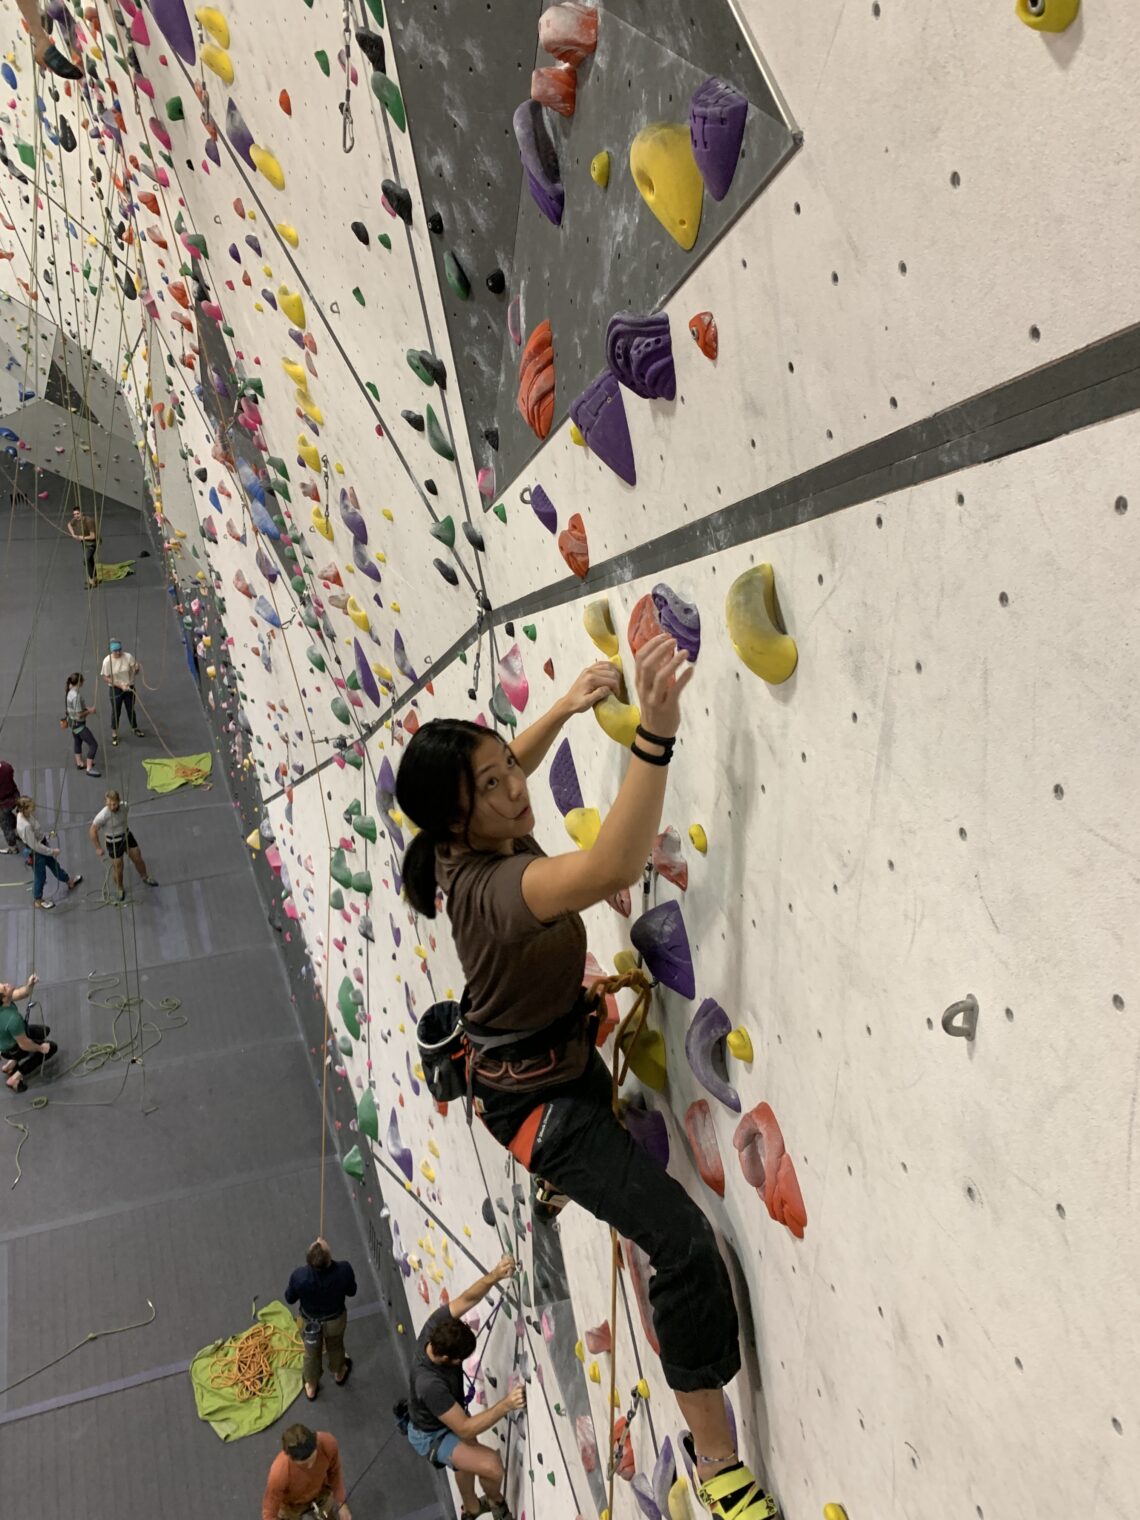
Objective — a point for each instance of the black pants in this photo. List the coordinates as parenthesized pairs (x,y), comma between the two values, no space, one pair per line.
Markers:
(587,1154)
(89,556)
(8,827)
(122,701)
(28,1061)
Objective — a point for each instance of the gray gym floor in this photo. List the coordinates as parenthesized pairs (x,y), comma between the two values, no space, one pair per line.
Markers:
(208,1200)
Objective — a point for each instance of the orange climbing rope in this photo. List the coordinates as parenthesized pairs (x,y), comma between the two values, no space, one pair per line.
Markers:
(246,1362)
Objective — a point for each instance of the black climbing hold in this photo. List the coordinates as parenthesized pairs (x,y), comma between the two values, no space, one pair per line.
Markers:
(413,419)
(435,223)
(509,630)
(474,695)
(446,571)
(201,474)
(372,46)
(496,282)
(66,136)
(488,1213)
(361,231)
(399,199)
(431,488)
(474,537)
(129,289)
(483,600)
(492,437)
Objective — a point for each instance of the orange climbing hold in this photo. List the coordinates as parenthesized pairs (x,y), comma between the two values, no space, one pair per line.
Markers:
(556,88)
(569,31)
(285,103)
(643,623)
(703,329)
(573,547)
(536,381)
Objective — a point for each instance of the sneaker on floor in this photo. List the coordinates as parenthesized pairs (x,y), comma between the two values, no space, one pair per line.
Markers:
(114,738)
(149,881)
(73,883)
(139,733)
(343,1379)
(44,904)
(94,773)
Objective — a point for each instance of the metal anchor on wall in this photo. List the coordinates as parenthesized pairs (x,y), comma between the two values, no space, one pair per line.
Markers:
(961,1019)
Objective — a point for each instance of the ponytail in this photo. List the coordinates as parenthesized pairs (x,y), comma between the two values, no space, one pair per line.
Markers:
(419,874)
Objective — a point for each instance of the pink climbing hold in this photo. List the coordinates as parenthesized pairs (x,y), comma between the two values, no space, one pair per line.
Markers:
(706,1152)
(767,1167)
(512,678)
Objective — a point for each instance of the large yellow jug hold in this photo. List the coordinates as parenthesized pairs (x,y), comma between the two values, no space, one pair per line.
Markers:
(582,824)
(297,373)
(218,61)
(679,1508)
(212,21)
(1048,15)
(308,452)
(292,305)
(665,171)
(617,718)
(646,1055)
(267,164)
(357,613)
(756,628)
(310,408)
(322,524)
(599,624)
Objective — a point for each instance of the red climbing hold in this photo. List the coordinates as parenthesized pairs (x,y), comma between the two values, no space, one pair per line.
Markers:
(766,1165)
(599,1340)
(573,547)
(643,623)
(569,31)
(285,103)
(703,329)
(536,381)
(555,87)
(706,1152)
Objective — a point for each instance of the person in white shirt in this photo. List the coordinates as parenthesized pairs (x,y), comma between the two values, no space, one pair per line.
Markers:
(45,857)
(77,714)
(119,671)
(119,841)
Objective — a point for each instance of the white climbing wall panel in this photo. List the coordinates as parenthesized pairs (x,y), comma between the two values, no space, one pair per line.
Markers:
(939,804)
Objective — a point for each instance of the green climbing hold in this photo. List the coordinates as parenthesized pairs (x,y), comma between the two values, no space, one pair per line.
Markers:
(279,488)
(323,59)
(297,582)
(362,883)
(500,512)
(444,530)
(371,388)
(531,631)
(339,871)
(365,827)
(367,1119)
(227,329)
(437,437)
(388,94)
(353,759)
(377,9)
(417,366)
(316,658)
(344,1044)
(353,1164)
(353,810)
(27,154)
(310,618)
(456,275)
(275,464)
(358,293)
(197,241)
(174,109)
(501,707)
(352,681)
(340,709)
(336,899)
(348,1000)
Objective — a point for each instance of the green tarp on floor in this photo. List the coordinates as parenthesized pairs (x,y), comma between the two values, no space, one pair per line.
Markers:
(168,774)
(233,1418)
(117,572)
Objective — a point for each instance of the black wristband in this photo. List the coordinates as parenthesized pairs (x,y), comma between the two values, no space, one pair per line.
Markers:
(649,759)
(643,733)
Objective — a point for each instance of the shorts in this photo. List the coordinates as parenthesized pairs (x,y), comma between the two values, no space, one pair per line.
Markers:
(117,848)
(437,1445)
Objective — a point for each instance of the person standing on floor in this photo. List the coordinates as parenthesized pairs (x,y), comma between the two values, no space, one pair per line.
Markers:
(9,796)
(321,1287)
(439,1426)
(23,1047)
(85,530)
(539,1084)
(305,1478)
(45,857)
(119,672)
(81,736)
(118,841)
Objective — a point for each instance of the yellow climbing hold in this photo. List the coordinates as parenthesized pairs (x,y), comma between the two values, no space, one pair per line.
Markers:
(253,839)
(434,1149)
(580,1352)
(218,61)
(290,234)
(308,452)
(212,672)
(625,961)
(642,1388)
(756,628)
(212,21)
(739,1041)
(600,626)
(646,1057)
(834,1512)
(600,168)
(665,171)
(594,1373)
(582,824)
(679,1507)
(618,719)
(576,435)
(1048,15)
(322,524)
(698,839)
(421,951)
(297,373)
(386,512)
(428,1171)
(357,613)
(310,407)
(268,165)
(292,305)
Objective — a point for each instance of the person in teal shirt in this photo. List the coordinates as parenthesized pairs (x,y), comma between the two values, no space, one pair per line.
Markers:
(23,1047)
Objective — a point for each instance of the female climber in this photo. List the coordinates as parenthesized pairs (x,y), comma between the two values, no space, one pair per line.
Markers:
(86,745)
(45,857)
(515,920)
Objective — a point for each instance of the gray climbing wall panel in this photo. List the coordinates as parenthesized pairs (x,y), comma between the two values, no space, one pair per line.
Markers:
(610,253)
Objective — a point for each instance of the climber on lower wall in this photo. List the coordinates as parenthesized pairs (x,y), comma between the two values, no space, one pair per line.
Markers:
(439,1426)
(515,920)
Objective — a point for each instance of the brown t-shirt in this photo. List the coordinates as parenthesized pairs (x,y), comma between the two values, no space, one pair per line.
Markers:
(521,973)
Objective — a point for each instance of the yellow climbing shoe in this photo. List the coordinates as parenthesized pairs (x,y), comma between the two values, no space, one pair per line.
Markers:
(736,1495)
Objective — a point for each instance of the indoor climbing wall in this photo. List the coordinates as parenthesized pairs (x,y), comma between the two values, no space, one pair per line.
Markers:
(464,343)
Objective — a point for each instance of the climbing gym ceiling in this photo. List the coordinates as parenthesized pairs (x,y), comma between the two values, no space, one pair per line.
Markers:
(461,343)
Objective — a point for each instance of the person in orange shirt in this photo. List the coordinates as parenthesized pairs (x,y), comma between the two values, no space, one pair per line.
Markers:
(305,1478)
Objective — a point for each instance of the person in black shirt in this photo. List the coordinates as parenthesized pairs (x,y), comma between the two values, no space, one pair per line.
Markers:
(321,1287)
(439,1426)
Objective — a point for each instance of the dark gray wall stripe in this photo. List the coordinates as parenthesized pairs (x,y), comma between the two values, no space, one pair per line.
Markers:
(1093,385)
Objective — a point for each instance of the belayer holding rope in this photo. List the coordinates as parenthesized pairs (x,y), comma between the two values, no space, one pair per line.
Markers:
(439,1426)
(84,741)
(305,1479)
(85,530)
(23,1047)
(45,857)
(321,1287)
(537,1081)
(119,671)
(118,841)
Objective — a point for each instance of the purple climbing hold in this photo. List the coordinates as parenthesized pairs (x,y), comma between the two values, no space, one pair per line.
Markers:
(665,1475)
(396,1148)
(403,664)
(395,928)
(174,24)
(415,1086)
(678,618)
(564,787)
(705,1047)
(363,563)
(717,113)
(600,415)
(660,937)
(544,509)
(252,242)
(238,133)
(352,519)
(213,152)
(364,674)
(649,1130)
(540,160)
(385,786)
(639,350)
